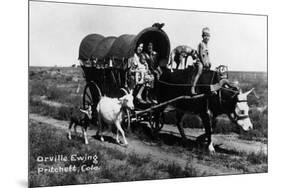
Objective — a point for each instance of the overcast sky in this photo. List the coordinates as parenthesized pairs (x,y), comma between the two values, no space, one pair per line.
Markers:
(56,30)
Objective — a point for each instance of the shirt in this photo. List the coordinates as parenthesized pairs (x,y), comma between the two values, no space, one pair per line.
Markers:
(152,58)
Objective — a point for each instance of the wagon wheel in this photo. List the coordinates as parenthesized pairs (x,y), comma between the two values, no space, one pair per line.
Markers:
(127,114)
(127,120)
(91,95)
(156,122)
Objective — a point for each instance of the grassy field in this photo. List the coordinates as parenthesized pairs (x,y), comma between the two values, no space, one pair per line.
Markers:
(113,165)
(57,92)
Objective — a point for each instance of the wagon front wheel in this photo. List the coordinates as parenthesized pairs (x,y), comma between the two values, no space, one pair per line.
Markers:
(157,123)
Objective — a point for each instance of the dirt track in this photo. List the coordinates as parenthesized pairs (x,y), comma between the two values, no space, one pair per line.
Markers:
(226,145)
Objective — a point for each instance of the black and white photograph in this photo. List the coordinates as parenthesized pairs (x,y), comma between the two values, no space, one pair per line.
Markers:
(123,93)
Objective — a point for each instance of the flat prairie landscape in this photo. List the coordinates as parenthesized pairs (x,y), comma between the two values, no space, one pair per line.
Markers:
(56,92)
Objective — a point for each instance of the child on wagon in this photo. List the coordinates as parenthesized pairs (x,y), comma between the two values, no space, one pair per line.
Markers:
(143,77)
(204,60)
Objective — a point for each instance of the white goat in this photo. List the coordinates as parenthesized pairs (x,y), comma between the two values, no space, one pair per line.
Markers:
(110,110)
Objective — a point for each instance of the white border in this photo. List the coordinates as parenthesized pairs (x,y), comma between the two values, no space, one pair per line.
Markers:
(13,157)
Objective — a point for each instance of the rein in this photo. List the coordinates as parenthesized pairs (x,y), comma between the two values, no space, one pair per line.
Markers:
(181,85)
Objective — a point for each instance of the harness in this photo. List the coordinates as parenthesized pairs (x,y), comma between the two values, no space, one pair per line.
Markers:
(237,116)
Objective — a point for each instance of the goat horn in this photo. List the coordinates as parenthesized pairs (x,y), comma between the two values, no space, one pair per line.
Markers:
(125,91)
(248,92)
(81,110)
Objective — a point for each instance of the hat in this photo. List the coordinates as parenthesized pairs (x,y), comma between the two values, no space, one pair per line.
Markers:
(205,31)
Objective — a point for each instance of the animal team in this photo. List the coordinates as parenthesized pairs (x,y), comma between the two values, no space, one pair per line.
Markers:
(143,70)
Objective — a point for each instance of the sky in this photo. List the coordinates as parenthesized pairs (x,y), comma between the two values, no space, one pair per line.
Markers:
(56,30)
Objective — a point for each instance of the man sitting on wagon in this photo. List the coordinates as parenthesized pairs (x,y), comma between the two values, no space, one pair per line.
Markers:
(152,58)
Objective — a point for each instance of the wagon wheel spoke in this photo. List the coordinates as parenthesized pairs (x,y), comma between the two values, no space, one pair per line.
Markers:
(87,97)
(91,95)
(127,121)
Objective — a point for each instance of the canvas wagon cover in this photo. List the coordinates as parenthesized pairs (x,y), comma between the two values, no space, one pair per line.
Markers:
(123,47)
(88,45)
(103,47)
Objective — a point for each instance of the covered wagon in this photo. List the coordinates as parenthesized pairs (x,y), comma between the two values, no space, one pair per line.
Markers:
(104,60)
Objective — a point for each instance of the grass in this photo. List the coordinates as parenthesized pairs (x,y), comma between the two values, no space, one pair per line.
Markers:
(254,162)
(260,123)
(115,166)
(60,113)
(257,158)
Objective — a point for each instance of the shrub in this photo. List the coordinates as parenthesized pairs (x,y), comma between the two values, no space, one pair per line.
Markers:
(224,125)
(37,88)
(138,161)
(257,158)
(55,93)
(259,121)
(174,170)
(116,154)
(63,113)
(190,171)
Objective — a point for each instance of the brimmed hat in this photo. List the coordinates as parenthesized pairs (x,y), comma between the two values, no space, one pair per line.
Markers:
(205,31)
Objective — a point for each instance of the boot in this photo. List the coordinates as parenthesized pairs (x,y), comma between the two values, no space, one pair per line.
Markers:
(151,96)
(147,96)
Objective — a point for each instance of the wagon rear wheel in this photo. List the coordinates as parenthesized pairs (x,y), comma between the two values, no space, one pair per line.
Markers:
(91,95)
